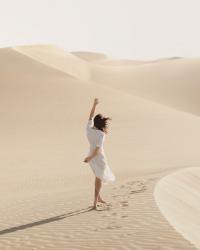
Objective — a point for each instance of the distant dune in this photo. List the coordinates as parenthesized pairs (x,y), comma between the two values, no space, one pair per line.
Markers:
(174,82)
(57,58)
(46,188)
(90,56)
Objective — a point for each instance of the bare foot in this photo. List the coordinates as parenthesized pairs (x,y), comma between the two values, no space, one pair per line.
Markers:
(94,205)
(102,201)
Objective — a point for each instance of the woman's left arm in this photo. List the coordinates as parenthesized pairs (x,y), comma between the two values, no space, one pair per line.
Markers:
(99,144)
(94,153)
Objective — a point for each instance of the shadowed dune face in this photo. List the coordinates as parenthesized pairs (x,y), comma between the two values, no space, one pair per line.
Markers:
(178,197)
(171,82)
(90,56)
(102,59)
(57,58)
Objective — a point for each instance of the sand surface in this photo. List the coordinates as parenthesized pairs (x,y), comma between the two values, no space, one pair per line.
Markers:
(46,188)
(178,198)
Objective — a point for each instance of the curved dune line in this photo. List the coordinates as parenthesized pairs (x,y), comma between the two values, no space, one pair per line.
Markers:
(90,56)
(57,58)
(178,197)
(173,83)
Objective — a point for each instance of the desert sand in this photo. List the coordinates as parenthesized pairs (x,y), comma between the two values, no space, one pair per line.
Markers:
(152,147)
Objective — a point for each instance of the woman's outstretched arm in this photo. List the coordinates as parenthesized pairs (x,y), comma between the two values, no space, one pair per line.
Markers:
(96,101)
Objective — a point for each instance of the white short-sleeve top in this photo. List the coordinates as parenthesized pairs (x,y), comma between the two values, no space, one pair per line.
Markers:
(95,136)
(98,163)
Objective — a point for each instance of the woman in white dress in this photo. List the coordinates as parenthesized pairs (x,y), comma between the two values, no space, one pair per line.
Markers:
(96,129)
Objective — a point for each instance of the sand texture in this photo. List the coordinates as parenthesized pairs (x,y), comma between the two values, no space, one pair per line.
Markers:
(152,147)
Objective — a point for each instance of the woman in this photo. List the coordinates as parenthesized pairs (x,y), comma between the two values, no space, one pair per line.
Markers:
(95,131)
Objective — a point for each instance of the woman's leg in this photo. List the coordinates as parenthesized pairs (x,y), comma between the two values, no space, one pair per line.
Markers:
(98,185)
(100,199)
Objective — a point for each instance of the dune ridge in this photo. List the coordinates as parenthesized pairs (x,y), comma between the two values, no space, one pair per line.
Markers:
(83,66)
(173,83)
(57,58)
(90,56)
(178,198)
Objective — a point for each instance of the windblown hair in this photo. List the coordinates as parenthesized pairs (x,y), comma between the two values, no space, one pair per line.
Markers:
(100,122)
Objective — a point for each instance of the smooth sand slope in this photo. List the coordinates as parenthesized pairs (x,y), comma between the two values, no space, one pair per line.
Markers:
(178,197)
(172,82)
(46,188)
(55,57)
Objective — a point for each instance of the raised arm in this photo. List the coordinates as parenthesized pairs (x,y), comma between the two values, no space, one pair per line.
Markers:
(96,101)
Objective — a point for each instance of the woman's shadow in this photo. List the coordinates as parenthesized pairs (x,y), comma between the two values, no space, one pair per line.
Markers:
(45,221)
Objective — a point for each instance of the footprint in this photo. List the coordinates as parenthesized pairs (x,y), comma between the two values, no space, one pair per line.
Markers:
(133,182)
(113,227)
(138,190)
(118,195)
(124,203)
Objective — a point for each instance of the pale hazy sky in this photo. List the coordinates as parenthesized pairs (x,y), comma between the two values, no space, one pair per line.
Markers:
(137,29)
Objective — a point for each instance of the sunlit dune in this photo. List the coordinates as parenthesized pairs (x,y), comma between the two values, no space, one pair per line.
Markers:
(46,188)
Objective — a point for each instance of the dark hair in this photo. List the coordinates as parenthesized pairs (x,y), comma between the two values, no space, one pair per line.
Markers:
(100,122)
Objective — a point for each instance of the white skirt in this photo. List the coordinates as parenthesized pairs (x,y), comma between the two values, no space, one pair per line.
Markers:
(102,172)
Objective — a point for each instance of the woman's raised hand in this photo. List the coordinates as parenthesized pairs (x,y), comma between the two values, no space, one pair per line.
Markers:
(96,101)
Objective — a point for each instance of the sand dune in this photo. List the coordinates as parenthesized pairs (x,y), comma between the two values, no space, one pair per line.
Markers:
(50,221)
(103,59)
(57,58)
(118,62)
(46,188)
(178,197)
(174,83)
(90,56)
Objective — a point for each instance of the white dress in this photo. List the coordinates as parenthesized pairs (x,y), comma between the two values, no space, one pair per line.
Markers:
(99,163)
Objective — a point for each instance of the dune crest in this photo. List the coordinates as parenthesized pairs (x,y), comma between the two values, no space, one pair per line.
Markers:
(57,58)
(171,82)
(90,56)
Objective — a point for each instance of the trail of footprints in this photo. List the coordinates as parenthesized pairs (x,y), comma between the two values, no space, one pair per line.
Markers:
(122,195)
(136,219)
(126,191)
(130,222)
